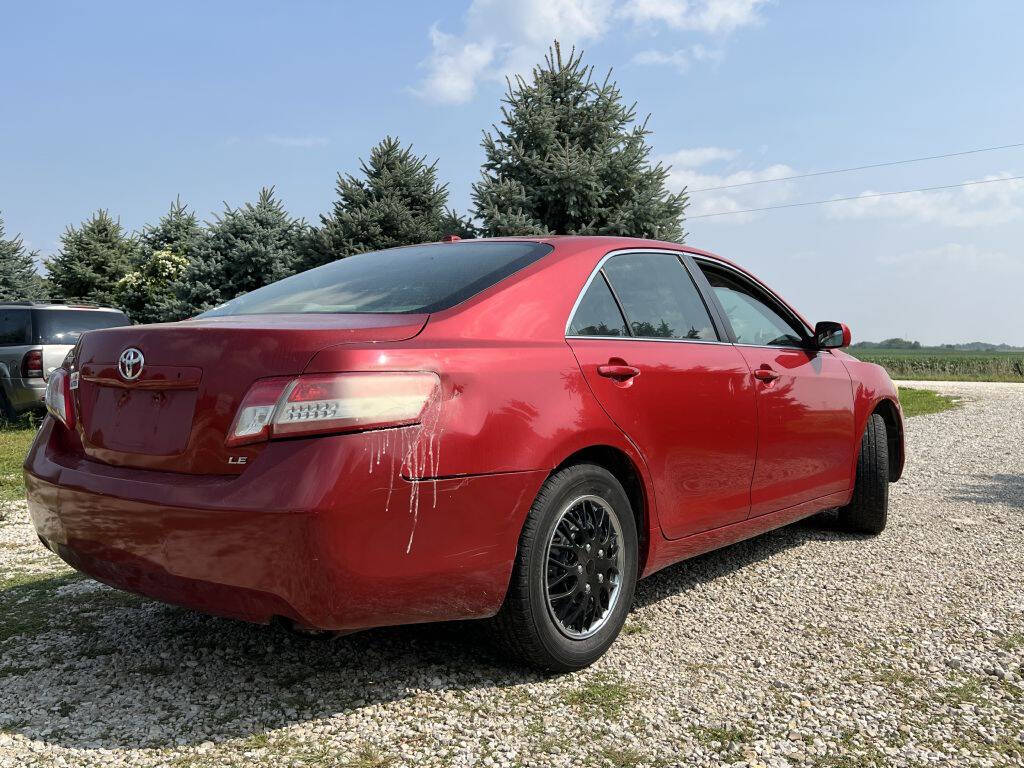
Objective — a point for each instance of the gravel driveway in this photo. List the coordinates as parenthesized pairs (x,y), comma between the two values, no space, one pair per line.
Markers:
(800,647)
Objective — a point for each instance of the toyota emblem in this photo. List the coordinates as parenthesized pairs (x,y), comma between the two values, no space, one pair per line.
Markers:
(130,364)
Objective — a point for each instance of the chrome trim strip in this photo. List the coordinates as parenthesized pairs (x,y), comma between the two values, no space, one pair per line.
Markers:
(647,338)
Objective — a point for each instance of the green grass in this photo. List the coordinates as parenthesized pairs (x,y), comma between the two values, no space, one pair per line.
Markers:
(919,402)
(15,439)
(946,365)
(602,694)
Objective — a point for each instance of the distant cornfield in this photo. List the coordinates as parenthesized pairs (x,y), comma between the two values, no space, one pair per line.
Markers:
(950,366)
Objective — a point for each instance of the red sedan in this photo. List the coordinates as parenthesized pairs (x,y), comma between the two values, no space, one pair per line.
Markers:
(508,428)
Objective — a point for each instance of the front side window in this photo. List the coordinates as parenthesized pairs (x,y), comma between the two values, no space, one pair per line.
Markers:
(659,297)
(598,314)
(414,279)
(750,312)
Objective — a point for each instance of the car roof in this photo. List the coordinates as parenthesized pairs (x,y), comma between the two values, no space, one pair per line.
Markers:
(580,243)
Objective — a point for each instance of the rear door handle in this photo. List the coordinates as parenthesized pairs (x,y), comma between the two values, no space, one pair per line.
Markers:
(765,374)
(618,372)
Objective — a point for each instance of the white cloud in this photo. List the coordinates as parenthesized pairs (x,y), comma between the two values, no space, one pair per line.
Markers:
(302,142)
(688,170)
(680,59)
(971,206)
(502,38)
(710,16)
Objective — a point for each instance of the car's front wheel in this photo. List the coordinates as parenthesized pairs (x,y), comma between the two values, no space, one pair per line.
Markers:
(868,510)
(575,572)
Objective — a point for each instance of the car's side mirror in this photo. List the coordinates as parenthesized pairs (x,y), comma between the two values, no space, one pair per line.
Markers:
(830,335)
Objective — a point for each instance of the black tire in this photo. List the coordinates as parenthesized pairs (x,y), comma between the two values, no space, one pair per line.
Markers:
(525,626)
(868,510)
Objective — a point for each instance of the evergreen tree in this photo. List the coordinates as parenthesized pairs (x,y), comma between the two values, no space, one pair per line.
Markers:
(570,158)
(246,248)
(155,290)
(18,278)
(453,223)
(399,202)
(91,260)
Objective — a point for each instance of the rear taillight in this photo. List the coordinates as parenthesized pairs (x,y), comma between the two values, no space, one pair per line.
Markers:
(32,364)
(58,398)
(325,403)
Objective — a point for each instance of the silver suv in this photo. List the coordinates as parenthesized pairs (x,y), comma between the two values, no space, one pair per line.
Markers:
(34,338)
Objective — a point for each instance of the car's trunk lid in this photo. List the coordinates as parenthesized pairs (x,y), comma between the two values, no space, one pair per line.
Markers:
(174,414)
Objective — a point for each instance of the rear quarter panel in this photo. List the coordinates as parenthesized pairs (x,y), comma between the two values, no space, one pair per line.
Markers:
(513,396)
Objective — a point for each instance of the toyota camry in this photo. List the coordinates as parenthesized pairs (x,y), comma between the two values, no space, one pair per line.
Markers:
(511,429)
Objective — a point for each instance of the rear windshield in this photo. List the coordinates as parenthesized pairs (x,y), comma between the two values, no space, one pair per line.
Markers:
(419,278)
(64,326)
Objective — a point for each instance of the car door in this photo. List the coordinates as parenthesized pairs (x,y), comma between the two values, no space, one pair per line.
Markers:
(683,395)
(805,416)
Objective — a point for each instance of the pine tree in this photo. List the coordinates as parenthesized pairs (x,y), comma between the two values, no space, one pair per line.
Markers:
(155,290)
(18,277)
(91,260)
(246,248)
(570,158)
(399,202)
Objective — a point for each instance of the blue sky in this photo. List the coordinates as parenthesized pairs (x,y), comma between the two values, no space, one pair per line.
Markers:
(124,105)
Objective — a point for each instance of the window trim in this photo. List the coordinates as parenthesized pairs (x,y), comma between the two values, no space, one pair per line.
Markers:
(774,303)
(721,331)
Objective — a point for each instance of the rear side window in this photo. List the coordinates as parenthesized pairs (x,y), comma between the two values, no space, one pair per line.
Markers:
(14,327)
(418,278)
(64,326)
(659,297)
(598,314)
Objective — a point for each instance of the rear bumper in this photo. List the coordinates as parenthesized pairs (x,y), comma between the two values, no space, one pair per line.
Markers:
(311,531)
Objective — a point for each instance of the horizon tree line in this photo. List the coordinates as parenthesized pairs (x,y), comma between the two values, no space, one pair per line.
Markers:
(567,157)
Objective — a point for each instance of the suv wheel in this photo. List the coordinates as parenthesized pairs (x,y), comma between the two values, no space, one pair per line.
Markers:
(575,572)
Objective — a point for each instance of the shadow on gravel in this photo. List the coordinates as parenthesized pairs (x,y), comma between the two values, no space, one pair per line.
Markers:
(997,489)
(84,666)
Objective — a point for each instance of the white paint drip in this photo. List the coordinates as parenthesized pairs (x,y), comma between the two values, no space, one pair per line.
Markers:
(415,455)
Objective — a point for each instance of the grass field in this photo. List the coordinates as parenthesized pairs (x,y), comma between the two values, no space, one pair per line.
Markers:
(946,365)
(920,402)
(14,442)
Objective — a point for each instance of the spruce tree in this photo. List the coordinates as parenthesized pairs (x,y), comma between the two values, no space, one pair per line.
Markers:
(18,278)
(397,202)
(570,158)
(246,248)
(155,290)
(92,258)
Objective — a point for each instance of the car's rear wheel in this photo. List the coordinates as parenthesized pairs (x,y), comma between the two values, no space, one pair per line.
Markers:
(868,510)
(575,572)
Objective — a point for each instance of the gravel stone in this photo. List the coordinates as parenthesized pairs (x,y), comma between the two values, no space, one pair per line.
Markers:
(802,647)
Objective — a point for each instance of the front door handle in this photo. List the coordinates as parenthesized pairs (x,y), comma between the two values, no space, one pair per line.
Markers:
(765,374)
(618,372)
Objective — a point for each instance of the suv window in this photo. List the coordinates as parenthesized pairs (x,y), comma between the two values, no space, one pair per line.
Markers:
(64,326)
(659,297)
(598,314)
(14,327)
(751,313)
(417,278)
